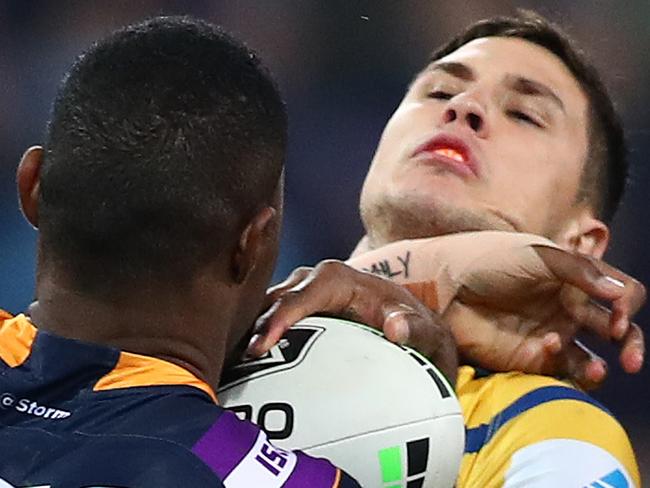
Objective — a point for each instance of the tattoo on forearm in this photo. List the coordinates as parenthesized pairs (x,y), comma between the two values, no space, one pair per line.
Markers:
(399,267)
(405,262)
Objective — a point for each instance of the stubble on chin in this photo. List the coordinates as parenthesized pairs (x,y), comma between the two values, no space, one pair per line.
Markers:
(398,218)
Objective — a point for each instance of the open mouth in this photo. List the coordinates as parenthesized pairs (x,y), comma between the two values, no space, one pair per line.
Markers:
(449,151)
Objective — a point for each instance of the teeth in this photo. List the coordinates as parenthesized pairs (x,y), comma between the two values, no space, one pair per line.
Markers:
(450,153)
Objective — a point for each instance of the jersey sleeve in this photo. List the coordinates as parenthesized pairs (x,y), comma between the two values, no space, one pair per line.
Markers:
(538,432)
(566,462)
(241,455)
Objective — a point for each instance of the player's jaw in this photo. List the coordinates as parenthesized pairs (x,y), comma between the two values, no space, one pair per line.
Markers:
(428,180)
(473,146)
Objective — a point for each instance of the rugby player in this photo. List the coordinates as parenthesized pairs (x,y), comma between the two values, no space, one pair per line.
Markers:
(158,199)
(510,128)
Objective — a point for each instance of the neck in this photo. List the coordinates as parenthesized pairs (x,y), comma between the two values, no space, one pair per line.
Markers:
(396,219)
(188,329)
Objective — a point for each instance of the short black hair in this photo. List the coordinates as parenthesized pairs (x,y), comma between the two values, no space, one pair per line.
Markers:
(164,138)
(605,173)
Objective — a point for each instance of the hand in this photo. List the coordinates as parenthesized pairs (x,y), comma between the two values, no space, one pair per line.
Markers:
(517,301)
(532,327)
(333,288)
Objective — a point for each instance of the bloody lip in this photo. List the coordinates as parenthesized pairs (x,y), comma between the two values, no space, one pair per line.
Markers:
(445,149)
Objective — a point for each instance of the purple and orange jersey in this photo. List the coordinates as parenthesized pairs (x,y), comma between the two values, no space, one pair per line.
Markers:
(74,414)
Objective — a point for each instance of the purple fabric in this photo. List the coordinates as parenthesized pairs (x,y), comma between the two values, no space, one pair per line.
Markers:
(226,443)
(313,472)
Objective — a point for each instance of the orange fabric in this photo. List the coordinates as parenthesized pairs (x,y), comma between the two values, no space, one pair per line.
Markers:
(136,370)
(17,335)
(426,292)
(16,338)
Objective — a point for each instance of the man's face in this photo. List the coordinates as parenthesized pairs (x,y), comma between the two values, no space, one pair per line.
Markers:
(492,136)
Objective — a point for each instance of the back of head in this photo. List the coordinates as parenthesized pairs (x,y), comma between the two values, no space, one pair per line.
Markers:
(165,138)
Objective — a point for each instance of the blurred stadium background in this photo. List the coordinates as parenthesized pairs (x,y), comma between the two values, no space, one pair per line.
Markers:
(343,66)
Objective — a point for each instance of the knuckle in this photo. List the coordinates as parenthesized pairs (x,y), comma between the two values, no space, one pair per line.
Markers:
(581,314)
(330,267)
(578,315)
(289,296)
(301,270)
(588,268)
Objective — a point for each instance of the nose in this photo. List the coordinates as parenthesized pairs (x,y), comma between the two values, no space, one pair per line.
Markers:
(467,111)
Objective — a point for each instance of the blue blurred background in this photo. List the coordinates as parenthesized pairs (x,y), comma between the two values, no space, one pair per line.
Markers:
(343,66)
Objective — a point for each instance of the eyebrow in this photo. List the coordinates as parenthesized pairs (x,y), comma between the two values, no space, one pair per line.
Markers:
(526,86)
(519,84)
(458,70)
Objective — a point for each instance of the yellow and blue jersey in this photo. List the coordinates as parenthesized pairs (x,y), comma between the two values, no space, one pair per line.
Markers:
(74,414)
(539,432)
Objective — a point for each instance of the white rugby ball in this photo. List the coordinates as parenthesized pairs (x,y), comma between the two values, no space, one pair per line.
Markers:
(339,390)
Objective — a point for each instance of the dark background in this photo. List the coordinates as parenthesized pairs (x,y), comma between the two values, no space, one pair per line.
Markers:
(343,67)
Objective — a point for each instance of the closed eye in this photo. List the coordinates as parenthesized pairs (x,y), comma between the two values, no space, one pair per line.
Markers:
(440,95)
(523,117)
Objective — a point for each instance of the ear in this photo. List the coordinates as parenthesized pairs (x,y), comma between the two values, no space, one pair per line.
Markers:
(253,243)
(28,180)
(585,234)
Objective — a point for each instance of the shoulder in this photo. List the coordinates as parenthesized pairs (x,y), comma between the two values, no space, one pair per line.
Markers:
(230,452)
(77,459)
(241,455)
(522,423)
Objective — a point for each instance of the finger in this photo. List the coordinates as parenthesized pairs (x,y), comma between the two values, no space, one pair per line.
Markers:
(583,366)
(573,360)
(625,307)
(334,288)
(591,316)
(294,304)
(601,281)
(266,333)
(535,355)
(552,344)
(581,272)
(595,372)
(331,288)
(397,325)
(424,333)
(635,291)
(633,350)
(296,276)
(597,319)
